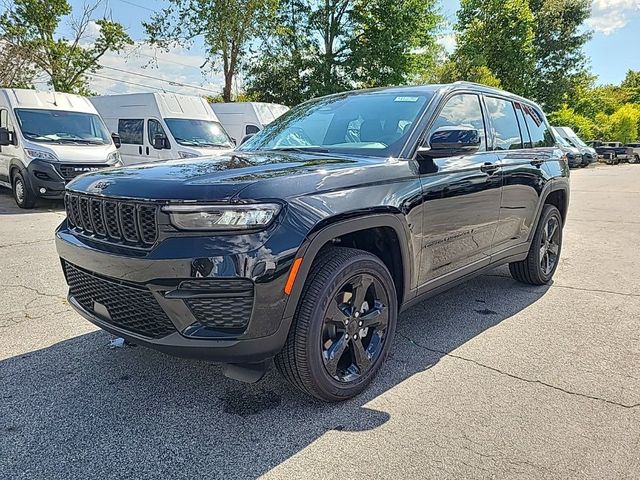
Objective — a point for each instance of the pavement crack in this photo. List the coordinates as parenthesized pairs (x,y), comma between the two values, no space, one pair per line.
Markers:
(36,291)
(516,377)
(20,244)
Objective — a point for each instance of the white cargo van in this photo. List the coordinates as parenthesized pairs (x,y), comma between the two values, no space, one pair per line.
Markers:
(246,118)
(47,139)
(162,126)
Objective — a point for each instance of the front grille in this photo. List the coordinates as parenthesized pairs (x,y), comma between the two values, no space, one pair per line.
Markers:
(229,305)
(131,307)
(70,171)
(121,222)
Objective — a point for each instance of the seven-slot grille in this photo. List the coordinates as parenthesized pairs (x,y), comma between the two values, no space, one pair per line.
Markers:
(116,221)
(129,306)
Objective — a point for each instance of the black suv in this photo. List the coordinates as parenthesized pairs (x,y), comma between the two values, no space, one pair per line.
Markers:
(305,243)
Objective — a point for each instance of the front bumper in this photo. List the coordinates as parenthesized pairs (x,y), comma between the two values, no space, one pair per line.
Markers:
(43,175)
(170,284)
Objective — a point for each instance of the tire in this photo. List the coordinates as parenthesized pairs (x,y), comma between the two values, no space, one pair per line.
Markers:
(636,158)
(306,360)
(21,192)
(530,270)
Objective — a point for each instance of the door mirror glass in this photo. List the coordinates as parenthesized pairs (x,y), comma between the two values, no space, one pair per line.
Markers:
(6,137)
(160,142)
(451,142)
(116,140)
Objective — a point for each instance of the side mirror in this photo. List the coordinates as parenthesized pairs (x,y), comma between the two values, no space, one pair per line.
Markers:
(160,142)
(116,140)
(451,142)
(6,137)
(246,137)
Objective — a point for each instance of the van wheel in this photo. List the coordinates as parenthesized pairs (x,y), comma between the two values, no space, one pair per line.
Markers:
(21,192)
(544,254)
(343,327)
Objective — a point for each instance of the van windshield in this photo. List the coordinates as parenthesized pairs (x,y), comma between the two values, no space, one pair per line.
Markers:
(198,133)
(373,123)
(59,126)
(577,141)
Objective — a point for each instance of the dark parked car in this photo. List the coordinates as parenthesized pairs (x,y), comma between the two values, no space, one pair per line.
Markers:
(305,243)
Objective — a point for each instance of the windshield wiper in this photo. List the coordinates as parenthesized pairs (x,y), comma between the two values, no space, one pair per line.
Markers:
(221,145)
(300,149)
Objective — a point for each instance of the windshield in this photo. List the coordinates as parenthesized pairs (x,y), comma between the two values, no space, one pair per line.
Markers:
(59,126)
(198,133)
(374,123)
(577,141)
(561,140)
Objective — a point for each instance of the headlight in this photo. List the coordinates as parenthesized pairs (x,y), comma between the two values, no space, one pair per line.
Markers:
(40,155)
(221,217)
(114,159)
(183,154)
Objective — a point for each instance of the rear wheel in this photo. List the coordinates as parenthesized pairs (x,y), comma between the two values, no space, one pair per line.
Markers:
(344,325)
(21,192)
(544,254)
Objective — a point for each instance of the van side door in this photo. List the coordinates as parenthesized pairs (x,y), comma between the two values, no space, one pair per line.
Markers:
(7,152)
(131,131)
(461,198)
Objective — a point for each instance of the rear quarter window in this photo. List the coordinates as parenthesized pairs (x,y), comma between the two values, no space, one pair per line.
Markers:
(541,135)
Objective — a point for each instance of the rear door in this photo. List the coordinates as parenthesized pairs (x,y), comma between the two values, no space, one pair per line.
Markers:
(523,144)
(461,196)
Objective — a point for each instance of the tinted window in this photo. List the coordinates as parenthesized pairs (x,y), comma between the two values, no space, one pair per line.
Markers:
(504,124)
(154,127)
(540,134)
(372,123)
(524,131)
(462,111)
(251,130)
(130,131)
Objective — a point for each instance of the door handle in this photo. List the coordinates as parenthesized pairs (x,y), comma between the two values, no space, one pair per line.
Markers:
(147,150)
(140,149)
(488,167)
(536,162)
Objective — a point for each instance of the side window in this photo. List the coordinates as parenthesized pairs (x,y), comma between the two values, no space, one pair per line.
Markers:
(541,136)
(524,131)
(251,129)
(504,124)
(462,110)
(154,127)
(131,131)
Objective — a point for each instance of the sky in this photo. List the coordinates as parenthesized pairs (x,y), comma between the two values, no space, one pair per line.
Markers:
(614,49)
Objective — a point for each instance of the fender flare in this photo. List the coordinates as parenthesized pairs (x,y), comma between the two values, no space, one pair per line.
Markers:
(316,240)
(555,185)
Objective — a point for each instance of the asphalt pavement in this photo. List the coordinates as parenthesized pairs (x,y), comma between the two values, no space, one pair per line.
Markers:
(491,380)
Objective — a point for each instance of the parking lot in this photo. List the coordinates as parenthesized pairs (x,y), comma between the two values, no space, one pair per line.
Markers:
(490,380)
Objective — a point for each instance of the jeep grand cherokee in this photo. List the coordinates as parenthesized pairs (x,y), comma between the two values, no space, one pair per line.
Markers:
(304,244)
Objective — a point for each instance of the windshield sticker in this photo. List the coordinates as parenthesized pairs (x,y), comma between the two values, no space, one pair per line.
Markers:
(406,99)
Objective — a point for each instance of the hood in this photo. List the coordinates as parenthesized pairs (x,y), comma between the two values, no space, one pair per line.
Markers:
(67,153)
(214,178)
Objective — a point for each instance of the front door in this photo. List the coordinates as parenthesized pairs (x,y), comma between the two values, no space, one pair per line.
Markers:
(154,127)
(461,199)
(131,131)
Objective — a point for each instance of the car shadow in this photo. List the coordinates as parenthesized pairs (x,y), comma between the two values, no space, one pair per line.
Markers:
(8,205)
(80,409)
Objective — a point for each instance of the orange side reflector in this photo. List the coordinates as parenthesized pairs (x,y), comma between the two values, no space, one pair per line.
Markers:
(292,275)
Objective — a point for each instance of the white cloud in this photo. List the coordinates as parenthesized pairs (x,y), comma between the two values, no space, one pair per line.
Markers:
(447,41)
(608,16)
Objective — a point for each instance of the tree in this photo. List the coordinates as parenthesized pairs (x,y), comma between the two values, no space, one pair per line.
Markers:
(323,47)
(227,28)
(393,42)
(498,35)
(568,117)
(560,63)
(623,124)
(16,67)
(30,26)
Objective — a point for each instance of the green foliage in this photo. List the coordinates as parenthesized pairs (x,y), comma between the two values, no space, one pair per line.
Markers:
(29,27)
(568,117)
(623,123)
(496,39)
(561,65)
(318,48)
(227,28)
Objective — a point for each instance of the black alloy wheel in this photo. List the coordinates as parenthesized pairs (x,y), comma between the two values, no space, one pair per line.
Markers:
(354,328)
(549,245)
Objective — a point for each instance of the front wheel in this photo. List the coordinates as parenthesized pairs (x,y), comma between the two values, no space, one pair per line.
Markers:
(544,254)
(344,325)
(21,192)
